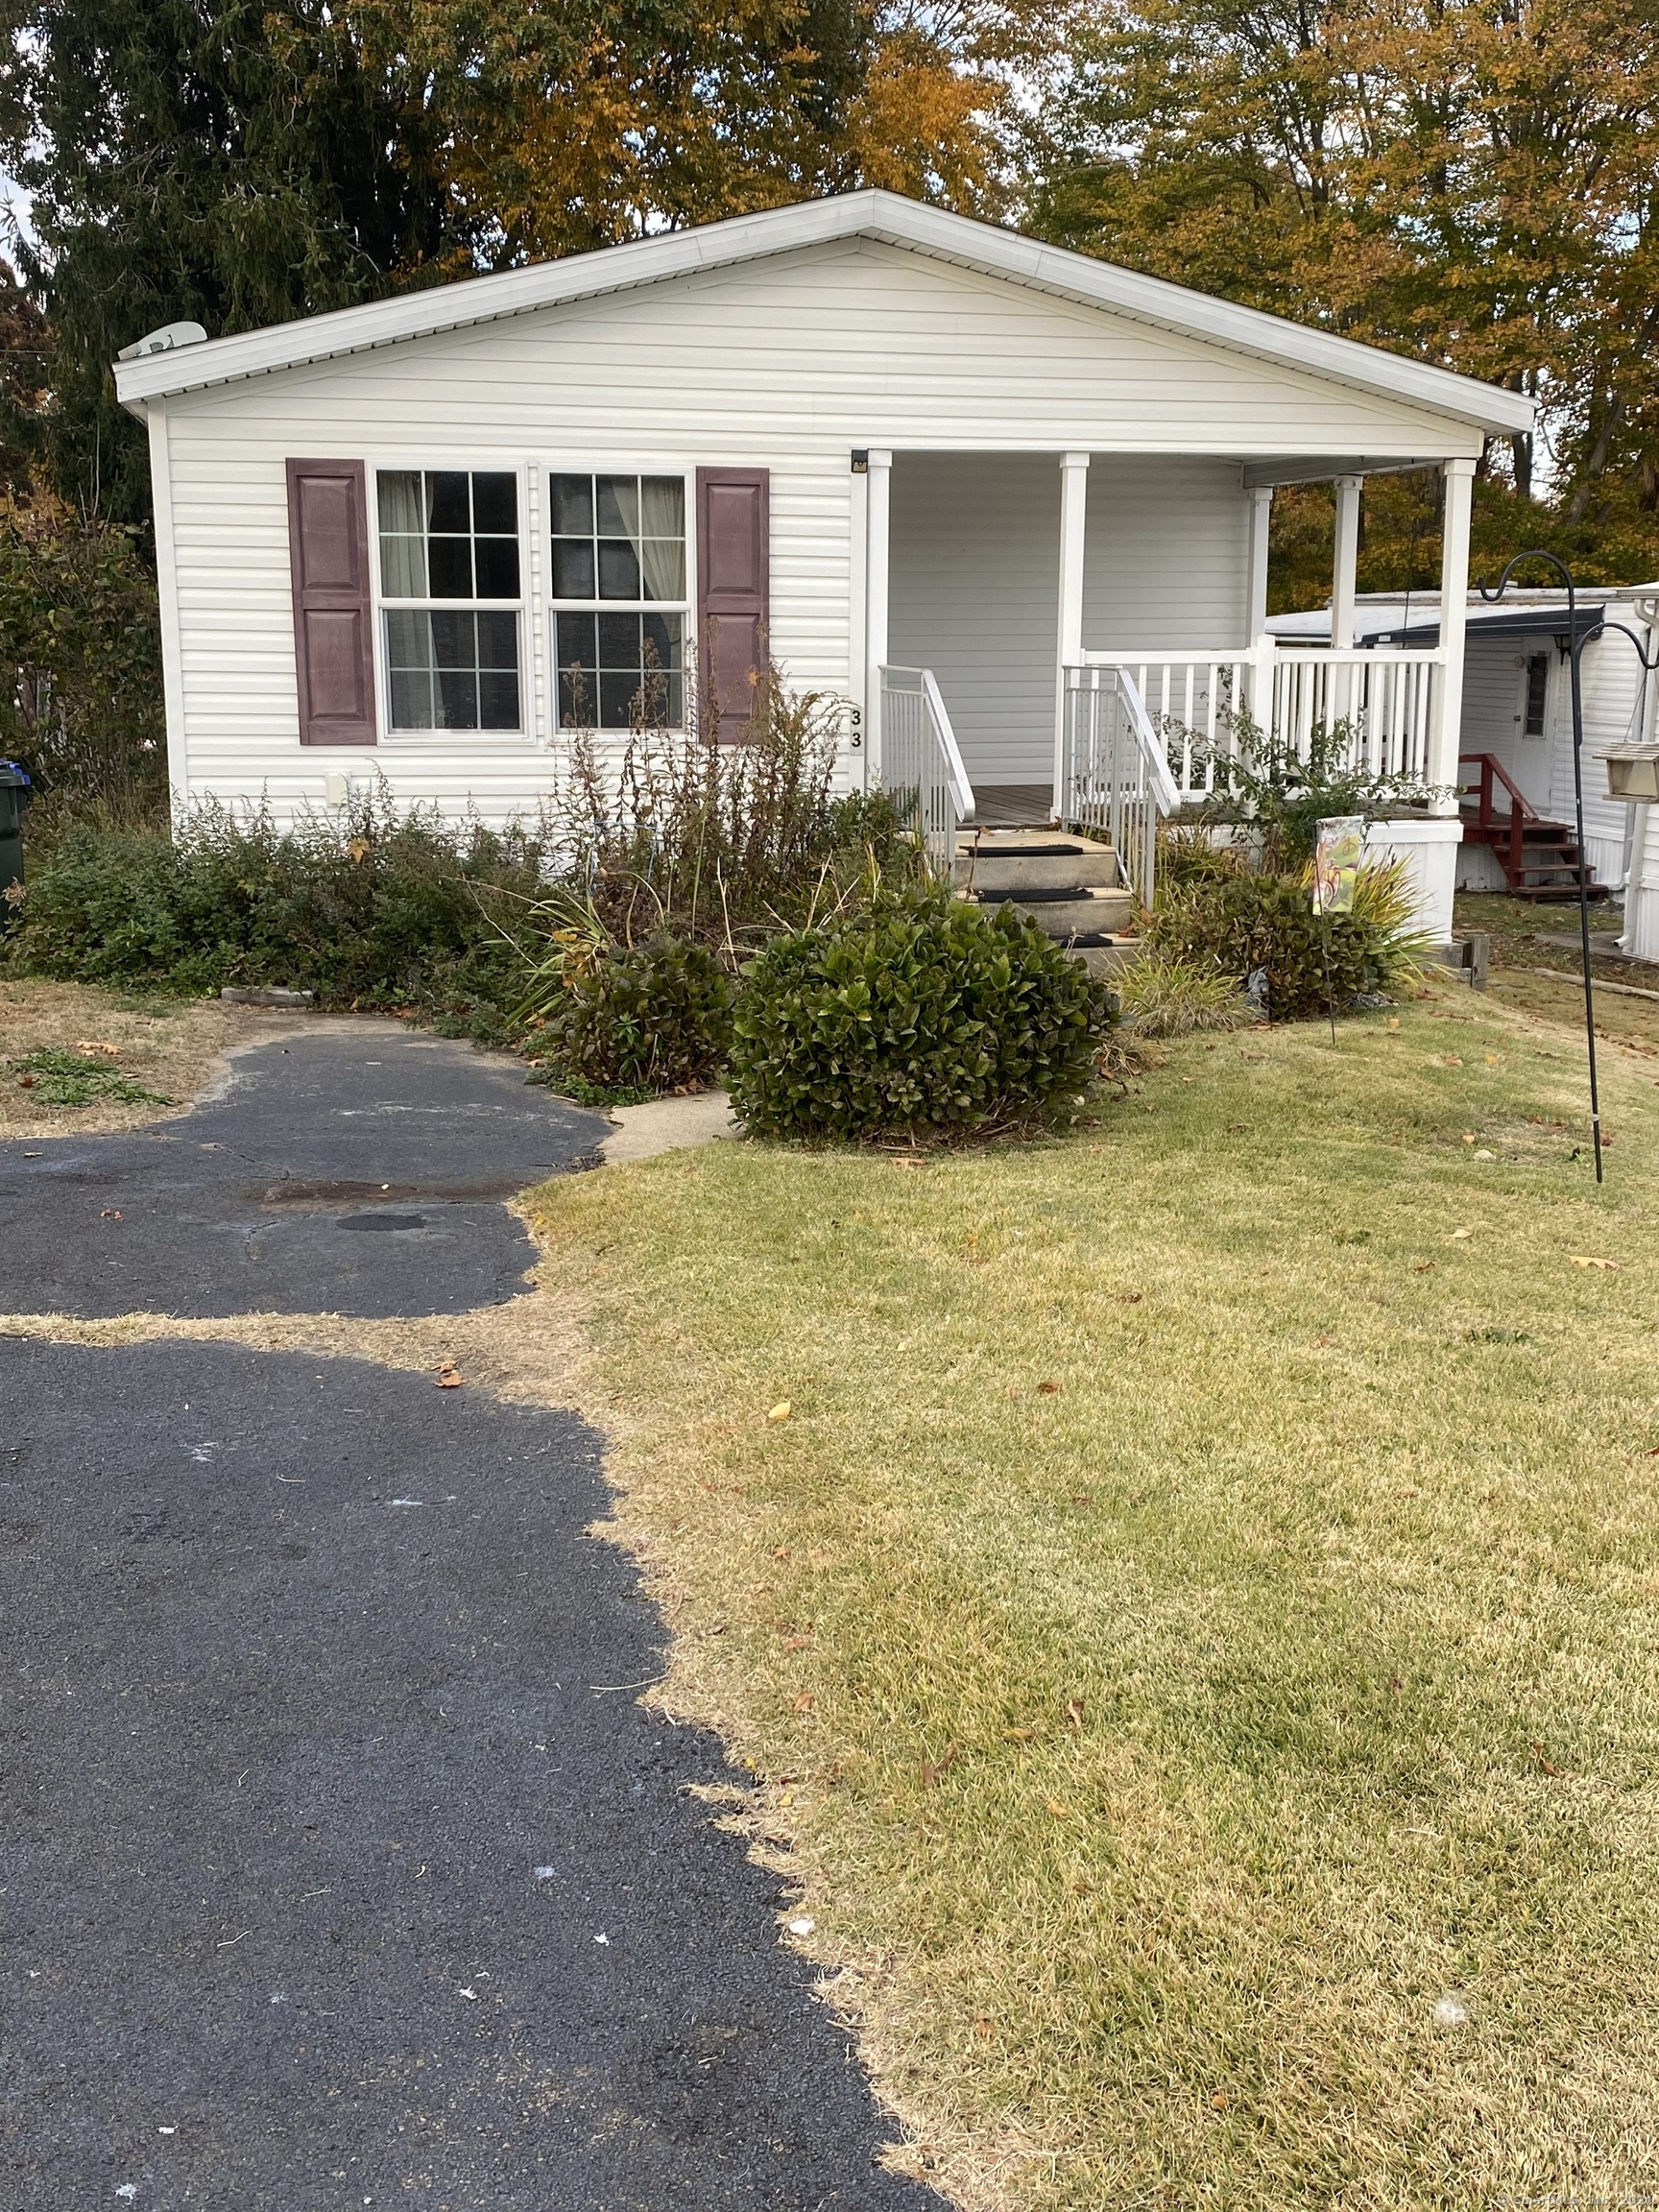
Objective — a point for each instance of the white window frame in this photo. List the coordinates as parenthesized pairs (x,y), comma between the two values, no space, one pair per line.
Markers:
(577,465)
(521,609)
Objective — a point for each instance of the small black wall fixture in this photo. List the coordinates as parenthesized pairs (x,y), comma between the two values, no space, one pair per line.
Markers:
(1576,642)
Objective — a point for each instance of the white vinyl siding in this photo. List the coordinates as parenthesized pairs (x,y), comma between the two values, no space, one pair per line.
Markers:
(1167,554)
(786,364)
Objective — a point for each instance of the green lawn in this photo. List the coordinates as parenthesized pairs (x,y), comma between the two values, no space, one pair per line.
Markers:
(1201,1611)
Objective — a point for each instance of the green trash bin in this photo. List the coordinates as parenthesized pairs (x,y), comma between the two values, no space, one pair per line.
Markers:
(13,798)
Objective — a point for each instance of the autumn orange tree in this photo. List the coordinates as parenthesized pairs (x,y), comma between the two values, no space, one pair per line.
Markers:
(1472,182)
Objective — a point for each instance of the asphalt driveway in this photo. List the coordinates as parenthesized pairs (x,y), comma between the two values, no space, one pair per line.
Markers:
(338,1864)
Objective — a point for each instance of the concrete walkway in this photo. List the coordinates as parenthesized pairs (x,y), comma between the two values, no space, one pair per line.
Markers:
(341,1865)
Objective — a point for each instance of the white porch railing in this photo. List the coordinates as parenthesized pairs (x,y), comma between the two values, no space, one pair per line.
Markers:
(918,754)
(1389,695)
(1116,779)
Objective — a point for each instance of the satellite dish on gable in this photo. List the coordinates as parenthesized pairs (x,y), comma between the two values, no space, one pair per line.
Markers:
(166,340)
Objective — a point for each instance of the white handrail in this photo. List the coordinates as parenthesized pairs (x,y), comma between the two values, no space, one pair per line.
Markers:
(1165,793)
(955,767)
(917,753)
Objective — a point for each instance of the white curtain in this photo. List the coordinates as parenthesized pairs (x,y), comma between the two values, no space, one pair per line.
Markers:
(404,510)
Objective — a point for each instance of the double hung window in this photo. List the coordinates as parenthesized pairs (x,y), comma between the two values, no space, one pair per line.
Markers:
(618,561)
(450,584)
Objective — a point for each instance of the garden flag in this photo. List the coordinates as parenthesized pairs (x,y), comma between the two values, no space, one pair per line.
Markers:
(1336,854)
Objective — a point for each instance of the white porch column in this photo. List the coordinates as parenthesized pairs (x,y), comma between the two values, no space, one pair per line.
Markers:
(1074,505)
(1261,498)
(1446,734)
(875,569)
(1345,564)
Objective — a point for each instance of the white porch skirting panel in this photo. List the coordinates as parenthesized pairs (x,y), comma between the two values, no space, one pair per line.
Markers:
(1429,847)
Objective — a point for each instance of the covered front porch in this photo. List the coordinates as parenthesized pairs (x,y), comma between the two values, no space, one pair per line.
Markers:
(1078,638)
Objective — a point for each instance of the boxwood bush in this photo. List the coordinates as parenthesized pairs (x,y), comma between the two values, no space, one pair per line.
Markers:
(916,1015)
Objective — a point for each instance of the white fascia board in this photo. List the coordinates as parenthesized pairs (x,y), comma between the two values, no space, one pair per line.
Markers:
(883,216)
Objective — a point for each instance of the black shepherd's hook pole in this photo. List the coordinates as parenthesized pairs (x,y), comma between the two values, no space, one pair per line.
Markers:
(1574,645)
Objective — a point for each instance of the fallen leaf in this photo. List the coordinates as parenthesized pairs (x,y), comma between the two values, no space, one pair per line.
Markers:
(449,1378)
(1130,1297)
(1545,1764)
(1453,1060)
(931,1770)
(1048,1390)
(91,1044)
(796,1643)
(1456,1233)
(781,1552)
(1427,1267)
(1219,2102)
(1059,1810)
(781,1410)
(1075,1710)
(804,1702)
(983,2025)
(1583,1259)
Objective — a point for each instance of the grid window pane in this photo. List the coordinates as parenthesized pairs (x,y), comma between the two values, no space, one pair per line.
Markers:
(450,562)
(573,504)
(449,503)
(618,569)
(573,568)
(620,541)
(495,566)
(452,670)
(458,699)
(410,699)
(494,505)
(616,501)
(445,533)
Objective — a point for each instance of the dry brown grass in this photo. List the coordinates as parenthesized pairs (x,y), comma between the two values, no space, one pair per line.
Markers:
(1157,1748)
(174,1047)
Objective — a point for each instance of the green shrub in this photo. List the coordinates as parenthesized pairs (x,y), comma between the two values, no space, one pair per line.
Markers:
(917,1014)
(1244,926)
(375,909)
(649,1017)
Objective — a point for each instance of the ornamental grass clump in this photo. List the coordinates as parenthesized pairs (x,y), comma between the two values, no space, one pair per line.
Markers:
(1259,932)
(914,1016)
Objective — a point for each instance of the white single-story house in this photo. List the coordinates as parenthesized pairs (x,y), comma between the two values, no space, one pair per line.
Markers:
(433,535)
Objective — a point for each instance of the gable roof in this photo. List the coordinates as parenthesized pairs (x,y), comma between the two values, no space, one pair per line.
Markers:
(883,216)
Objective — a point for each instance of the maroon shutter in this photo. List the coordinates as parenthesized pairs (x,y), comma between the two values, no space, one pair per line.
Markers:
(333,615)
(733,581)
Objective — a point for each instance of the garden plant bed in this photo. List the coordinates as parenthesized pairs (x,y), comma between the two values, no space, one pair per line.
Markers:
(1198,1613)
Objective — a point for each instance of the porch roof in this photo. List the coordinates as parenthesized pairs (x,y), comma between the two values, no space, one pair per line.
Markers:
(882,216)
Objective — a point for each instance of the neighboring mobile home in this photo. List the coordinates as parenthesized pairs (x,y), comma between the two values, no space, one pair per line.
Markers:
(862,435)
(1517,733)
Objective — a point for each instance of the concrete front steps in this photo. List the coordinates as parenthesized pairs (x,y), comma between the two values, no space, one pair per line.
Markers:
(1068,885)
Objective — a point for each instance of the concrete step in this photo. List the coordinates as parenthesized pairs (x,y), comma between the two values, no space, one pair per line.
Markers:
(1091,913)
(1108,961)
(1035,864)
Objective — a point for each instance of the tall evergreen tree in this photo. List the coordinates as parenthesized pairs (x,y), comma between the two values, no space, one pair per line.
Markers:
(235,162)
